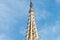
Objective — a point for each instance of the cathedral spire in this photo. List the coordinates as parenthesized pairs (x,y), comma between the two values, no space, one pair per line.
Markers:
(32,32)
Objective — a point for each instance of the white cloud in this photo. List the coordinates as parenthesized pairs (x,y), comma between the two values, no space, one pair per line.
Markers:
(54,29)
(57,1)
(8,17)
(50,32)
(4,37)
(42,14)
(58,38)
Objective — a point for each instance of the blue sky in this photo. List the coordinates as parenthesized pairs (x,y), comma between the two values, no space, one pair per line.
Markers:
(14,17)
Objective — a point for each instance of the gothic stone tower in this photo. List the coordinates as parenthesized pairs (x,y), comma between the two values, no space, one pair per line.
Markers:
(32,33)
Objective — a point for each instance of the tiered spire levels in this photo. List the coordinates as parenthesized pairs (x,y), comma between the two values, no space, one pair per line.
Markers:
(32,33)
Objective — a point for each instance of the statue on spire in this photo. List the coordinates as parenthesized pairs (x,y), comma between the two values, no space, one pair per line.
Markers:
(31,5)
